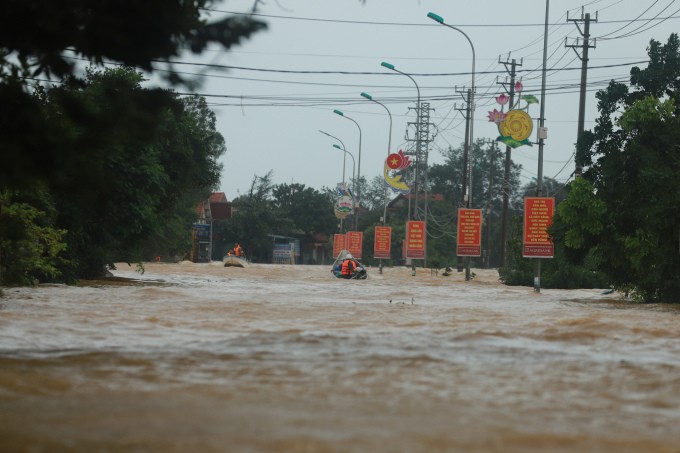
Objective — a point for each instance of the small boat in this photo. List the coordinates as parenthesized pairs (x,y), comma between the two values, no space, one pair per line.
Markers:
(336,270)
(235,261)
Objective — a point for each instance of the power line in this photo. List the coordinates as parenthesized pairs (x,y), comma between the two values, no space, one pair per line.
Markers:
(335,72)
(402,24)
(647,21)
(629,23)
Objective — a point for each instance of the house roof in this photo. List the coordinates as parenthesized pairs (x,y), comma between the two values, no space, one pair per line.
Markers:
(218,197)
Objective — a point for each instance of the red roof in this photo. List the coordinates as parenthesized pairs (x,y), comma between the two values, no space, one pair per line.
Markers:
(218,197)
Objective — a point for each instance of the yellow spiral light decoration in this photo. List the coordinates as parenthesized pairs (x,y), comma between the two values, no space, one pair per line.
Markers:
(517,124)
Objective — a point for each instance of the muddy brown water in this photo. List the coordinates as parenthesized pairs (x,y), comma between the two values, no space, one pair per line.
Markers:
(201,358)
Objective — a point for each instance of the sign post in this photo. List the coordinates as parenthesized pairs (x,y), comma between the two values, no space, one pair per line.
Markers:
(415,239)
(339,241)
(354,243)
(382,242)
(538,214)
(469,232)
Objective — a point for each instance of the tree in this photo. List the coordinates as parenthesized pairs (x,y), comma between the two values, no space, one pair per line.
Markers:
(123,166)
(488,171)
(30,248)
(634,167)
(254,219)
(573,265)
(136,190)
(309,210)
(41,38)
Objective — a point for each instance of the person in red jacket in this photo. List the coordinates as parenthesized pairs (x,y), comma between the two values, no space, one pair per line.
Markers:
(348,267)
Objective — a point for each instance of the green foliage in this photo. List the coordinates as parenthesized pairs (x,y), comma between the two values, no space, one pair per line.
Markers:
(126,188)
(517,271)
(290,210)
(126,31)
(488,170)
(30,249)
(253,220)
(580,218)
(123,165)
(309,210)
(635,174)
(34,38)
(646,111)
(141,186)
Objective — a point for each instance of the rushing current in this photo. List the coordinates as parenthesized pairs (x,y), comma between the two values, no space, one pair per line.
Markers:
(273,358)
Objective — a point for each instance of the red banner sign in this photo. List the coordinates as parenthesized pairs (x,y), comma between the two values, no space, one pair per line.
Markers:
(469,232)
(382,242)
(338,244)
(415,239)
(538,215)
(354,243)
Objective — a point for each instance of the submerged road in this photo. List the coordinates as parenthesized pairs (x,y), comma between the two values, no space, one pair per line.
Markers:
(274,358)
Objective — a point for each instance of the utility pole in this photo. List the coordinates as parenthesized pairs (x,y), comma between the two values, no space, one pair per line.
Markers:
(465,198)
(466,114)
(584,44)
(541,137)
(508,162)
(489,206)
(418,153)
(422,141)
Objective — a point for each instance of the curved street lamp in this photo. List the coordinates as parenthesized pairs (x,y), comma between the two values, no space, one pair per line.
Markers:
(391,67)
(439,19)
(389,147)
(342,148)
(389,143)
(469,137)
(358,175)
(343,177)
(344,157)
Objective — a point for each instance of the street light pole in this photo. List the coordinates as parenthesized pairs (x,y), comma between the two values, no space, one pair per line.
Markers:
(391,67)
(353,178)
(471,102)
(389,147)
(541,125)
(415,215)
(358,175)
(344,162)
(389,144)
(344,157)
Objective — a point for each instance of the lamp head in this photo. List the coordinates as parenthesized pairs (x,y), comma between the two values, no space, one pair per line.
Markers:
(436,17)
(338,112)
(367,96)
(387,65)
(336,146)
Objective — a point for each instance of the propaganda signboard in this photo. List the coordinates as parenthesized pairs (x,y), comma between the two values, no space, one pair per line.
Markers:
(538,215)
(382,242)
(415,239)
(469,232)
(339,241)
(354,243)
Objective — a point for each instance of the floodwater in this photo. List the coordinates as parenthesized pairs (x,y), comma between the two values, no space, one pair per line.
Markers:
(274,358)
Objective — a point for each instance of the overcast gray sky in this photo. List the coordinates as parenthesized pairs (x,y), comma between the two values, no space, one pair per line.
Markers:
(270,118)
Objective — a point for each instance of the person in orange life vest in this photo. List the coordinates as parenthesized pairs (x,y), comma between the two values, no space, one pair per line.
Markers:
(238,251)
(348,267)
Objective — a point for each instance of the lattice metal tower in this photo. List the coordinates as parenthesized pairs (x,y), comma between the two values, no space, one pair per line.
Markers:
(421,140)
